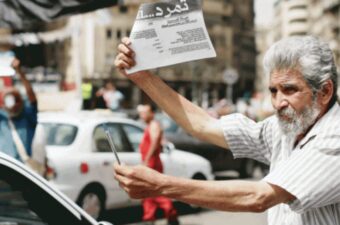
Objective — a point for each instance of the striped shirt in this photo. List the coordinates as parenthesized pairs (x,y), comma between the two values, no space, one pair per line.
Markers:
(310,171)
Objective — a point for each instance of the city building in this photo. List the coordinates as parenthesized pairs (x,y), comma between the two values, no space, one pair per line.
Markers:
(84,46)
(231,28)
(320,18)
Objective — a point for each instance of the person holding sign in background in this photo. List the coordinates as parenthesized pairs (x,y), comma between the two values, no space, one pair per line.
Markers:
(18,122)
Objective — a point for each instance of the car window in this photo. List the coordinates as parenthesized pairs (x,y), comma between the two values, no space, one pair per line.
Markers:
(134,134)
(60,134)
(25,203)
(118,137)
(168,125)
(13,207)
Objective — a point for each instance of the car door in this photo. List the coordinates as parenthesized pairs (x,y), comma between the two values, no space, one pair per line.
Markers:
(115,195)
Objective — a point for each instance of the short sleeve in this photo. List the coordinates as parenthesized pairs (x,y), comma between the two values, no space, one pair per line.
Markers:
(311,174)
(248,139)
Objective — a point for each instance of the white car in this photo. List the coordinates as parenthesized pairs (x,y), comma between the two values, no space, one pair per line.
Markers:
(27,198)
(80,160)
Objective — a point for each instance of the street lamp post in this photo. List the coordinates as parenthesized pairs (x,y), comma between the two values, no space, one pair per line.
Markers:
(230,77)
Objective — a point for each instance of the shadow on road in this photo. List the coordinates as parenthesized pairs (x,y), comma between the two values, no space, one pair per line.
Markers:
(134,214)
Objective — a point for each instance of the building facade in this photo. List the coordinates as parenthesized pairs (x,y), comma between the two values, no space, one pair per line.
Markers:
(230,25)
(320,18)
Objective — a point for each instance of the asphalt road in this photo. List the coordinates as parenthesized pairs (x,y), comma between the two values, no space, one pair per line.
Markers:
(189,217)
(212,217)
(220,218)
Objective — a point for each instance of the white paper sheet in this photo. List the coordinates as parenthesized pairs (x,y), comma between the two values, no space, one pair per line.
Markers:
(169,32)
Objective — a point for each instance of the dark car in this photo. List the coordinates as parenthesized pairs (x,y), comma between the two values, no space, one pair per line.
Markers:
(221,159)
(28,199)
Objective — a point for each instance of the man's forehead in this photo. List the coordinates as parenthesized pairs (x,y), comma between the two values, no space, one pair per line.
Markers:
(286,75)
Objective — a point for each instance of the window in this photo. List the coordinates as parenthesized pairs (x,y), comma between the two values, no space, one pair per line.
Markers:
(134,134)
(14,206)
(60,134)
(108,33)
(298,7)
(123,9)
(298,21)
(24,202)
(119,34)
(120,141)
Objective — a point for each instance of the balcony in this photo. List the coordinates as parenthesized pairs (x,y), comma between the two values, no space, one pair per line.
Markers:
(297,28)
(218,8)
(297,14)
(330,4)
(297,4)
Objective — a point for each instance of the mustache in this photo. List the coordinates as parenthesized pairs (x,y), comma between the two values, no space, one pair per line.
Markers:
(286,112)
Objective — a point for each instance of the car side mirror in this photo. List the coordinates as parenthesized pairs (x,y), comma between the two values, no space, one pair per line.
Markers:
(168,147)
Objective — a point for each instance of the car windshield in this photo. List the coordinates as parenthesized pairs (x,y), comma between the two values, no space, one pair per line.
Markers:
(60,134)
(13,207)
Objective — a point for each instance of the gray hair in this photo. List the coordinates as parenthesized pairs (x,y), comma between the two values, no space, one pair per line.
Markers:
(312,57)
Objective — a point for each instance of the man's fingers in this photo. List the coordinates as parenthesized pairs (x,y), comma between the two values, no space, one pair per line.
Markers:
(126,40)
(123,48)
(133,188)
(126,59)
(125,171)
(122,64)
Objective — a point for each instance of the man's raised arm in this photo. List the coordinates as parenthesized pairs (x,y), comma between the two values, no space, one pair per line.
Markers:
(192,118)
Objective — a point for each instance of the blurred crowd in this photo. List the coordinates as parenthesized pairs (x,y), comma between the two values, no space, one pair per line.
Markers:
(256,107)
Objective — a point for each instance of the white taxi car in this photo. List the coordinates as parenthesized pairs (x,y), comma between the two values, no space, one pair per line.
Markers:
(80,160)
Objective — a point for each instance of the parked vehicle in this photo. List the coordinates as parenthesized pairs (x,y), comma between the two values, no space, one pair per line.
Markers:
(28,199)
(80,161)
(221,159)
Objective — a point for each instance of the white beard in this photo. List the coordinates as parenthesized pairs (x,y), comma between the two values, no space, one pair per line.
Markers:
(297,123)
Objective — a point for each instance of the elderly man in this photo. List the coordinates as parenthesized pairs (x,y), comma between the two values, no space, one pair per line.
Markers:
(301,142)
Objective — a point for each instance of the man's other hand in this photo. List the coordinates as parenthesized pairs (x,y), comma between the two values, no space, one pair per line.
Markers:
(139,181)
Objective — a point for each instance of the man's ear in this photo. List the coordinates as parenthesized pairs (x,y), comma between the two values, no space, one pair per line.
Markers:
(326,92)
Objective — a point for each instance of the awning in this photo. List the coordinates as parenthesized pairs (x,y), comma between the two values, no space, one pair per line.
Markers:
(28,14)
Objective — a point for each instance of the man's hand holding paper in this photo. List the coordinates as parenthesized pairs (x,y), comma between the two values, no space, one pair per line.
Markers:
(169,32)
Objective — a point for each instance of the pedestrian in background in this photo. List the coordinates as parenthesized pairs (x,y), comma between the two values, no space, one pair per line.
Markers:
(301,143)
(111,95)
(87,94)
(150,148)
(18,121)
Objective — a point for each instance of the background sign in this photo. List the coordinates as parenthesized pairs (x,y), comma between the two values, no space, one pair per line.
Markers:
(230,76)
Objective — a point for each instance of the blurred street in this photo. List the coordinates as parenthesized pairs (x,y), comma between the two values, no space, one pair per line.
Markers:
(217,217)
(203,217)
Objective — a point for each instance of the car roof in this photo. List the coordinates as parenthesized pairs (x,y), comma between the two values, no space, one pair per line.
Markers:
(20,168)
(81,117)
